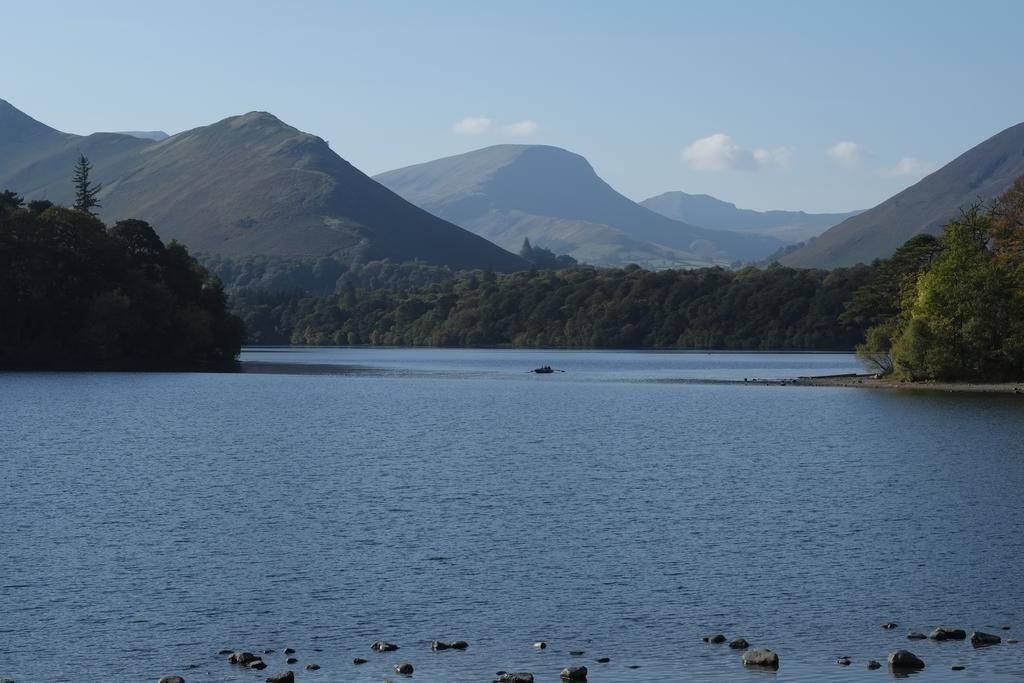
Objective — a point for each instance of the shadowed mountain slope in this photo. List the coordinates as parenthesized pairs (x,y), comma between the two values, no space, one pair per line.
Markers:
(981,173)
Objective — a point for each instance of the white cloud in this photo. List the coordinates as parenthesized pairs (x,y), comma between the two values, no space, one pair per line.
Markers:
(521,129)
(472,125)
(780,156)
(911,166)
(847,153)
(719,153)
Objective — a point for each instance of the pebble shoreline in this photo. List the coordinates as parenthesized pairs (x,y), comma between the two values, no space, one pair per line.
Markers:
(900,661)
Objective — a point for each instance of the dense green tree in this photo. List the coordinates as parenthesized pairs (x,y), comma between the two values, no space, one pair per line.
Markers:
(962,314)
(951,308)
(545,258)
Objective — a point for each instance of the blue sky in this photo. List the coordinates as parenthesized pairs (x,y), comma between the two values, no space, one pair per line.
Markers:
(822,106)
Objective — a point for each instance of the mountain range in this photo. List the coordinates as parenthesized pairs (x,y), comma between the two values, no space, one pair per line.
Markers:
(247,185)
(981,173)
(554,198)
(252,185)
(709,212)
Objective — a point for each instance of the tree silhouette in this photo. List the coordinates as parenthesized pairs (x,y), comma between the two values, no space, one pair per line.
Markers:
(85,191)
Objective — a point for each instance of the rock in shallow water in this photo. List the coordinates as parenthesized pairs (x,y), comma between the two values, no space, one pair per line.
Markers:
(874,664)
(574,673)
(516,677)
(943,633)
(714,639)
(763,658)
(914,635)
(171,679)
(979,639)
(904,660)
(359,660)
(242,657)
(739,644)
(283,677)
(259,665)
(312,667)
(454,645)
(291,660)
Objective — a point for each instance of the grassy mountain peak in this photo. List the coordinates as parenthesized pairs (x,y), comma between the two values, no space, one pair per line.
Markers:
(245,185)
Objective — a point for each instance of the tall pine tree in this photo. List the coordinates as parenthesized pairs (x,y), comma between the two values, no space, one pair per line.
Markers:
(85,191)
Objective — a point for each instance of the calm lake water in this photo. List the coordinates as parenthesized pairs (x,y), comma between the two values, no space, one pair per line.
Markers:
(620,508)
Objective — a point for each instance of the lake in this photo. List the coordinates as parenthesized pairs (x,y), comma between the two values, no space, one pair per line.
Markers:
(625,507)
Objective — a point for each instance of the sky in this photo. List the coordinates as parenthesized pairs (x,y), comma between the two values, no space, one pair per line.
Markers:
(819,106)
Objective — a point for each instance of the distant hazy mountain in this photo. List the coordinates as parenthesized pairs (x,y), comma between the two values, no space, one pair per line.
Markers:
(247,185)
(510,192)
(156,135)
(709,212)
(983,172)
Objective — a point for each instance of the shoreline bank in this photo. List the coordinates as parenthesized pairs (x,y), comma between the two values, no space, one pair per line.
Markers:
(873,382)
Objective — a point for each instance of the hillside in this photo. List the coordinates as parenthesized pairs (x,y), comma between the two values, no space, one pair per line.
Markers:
(981,173)
(553,197)
(247,185)
(709,212)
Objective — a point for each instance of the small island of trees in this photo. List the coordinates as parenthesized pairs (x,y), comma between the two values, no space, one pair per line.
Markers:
(75,294)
